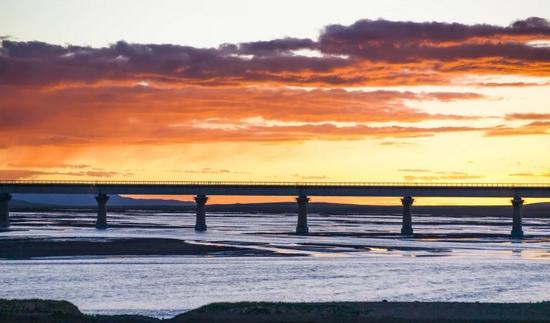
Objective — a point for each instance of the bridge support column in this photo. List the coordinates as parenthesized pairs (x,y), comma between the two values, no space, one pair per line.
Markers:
(517,231)
(4,211)
(301,227)
(406,228)
(200,223)
(101,222)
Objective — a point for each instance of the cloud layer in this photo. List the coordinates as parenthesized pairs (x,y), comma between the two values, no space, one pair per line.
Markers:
(368,52)
(279,90)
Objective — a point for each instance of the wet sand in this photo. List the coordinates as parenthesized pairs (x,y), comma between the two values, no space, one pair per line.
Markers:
(61,311)
(39,247)
(25,248)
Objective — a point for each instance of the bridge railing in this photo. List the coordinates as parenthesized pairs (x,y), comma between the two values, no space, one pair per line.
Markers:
(272,183)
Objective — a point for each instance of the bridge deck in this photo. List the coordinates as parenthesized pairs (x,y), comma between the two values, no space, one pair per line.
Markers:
(277,188)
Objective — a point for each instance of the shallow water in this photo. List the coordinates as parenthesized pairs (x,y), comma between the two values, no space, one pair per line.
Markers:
(358,258)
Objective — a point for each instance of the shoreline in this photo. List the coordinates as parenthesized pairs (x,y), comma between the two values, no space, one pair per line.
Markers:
(535,210)
(50,311)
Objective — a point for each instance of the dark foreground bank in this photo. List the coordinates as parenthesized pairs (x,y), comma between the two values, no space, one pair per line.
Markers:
(47,311)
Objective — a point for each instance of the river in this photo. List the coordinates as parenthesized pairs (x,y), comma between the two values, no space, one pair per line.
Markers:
(347,258)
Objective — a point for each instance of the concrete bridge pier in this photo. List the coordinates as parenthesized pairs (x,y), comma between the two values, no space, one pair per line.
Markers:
(406,228)
(101,222)
(200,222)
(517,230)
(4,210)
(301,227)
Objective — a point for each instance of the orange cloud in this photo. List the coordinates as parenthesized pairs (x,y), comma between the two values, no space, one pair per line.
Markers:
(533,128)
(13,174)
(528,116)
(530,174)
(431,178)
(431,175)
(94,115)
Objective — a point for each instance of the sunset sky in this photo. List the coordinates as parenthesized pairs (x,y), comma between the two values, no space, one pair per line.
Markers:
(401,91)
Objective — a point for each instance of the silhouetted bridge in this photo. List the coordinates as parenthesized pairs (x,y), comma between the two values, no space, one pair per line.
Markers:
(302,192)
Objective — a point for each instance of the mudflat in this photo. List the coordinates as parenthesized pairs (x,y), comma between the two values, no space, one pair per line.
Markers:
(25,248)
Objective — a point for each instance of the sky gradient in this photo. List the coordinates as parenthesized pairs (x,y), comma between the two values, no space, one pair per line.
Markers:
(363,92)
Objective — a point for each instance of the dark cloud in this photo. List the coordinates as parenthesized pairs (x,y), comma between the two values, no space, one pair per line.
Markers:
(276,46)
(420,53)
(532,25)
(413,52)
(401,42)
(38,63)
(366,33)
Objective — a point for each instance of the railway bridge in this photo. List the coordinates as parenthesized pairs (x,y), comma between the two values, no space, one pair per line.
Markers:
(302,191)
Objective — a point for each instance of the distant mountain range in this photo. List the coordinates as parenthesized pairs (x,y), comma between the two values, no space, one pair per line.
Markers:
(77,200)
(60,201)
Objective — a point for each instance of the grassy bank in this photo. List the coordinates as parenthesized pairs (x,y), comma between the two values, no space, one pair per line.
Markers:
(48,311)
